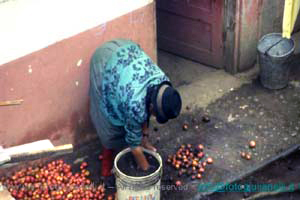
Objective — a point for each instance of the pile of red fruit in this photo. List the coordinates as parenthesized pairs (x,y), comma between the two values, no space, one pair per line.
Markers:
(53,181)
(190,161)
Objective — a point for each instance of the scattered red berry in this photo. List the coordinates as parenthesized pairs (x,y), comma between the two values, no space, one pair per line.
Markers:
(178,183)
(185,127)
(209,160)
(243,154)
(52,181)
(252,144)
(248,156)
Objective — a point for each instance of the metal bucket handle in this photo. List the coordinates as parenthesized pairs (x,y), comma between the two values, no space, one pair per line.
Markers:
(267,51)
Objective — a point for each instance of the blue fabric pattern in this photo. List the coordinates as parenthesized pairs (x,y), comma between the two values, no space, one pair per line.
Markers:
(126,75)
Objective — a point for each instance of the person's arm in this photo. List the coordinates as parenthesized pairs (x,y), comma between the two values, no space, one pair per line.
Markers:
(138,151)
(134,137)
(140,157)
(145,141)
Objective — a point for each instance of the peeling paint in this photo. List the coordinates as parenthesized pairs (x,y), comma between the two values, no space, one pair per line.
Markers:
(29,69)
(101,29)
(79,62)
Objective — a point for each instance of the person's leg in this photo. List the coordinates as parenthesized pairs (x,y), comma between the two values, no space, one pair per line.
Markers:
(107,162)
(116,144)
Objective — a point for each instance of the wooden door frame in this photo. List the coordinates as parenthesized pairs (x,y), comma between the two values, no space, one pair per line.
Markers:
(229,36)
(239,15)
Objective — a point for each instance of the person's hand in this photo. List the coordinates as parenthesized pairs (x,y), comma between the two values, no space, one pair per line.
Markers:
(147,145)
(140,158)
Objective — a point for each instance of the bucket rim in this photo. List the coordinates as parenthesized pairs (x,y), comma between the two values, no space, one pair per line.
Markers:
(124,151)
(284,55)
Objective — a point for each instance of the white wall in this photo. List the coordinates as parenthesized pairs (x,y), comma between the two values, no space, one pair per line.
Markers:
(30,25)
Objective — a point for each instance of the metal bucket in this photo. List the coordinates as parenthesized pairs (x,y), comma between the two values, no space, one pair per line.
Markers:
(144,187)
(274,56)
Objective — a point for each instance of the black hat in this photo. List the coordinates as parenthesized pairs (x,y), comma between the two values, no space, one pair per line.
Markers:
(166,102)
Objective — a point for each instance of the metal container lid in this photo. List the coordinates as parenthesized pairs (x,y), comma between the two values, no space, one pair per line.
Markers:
(275,45)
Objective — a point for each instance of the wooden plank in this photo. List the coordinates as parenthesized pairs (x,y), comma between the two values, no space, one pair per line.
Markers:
(11,103)
(33,146)
(32,155)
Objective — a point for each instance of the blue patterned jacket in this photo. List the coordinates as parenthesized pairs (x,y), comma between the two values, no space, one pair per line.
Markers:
(127,75)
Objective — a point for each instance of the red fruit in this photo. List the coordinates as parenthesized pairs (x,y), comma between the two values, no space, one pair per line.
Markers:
(29,193)
(70,196)
(85,172)
(101,188)
(83,165)
(185,127)
(201,169)
(200,147)
(243,154)
(14,193)
(67,168)
(248,156)
(69,174)
(187,152)
(252,144)
(178,183)
(88,182)
(27,179)
(209,160)
(199,176)
(200,155)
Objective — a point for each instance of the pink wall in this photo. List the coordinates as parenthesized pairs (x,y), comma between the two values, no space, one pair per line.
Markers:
(55,93)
